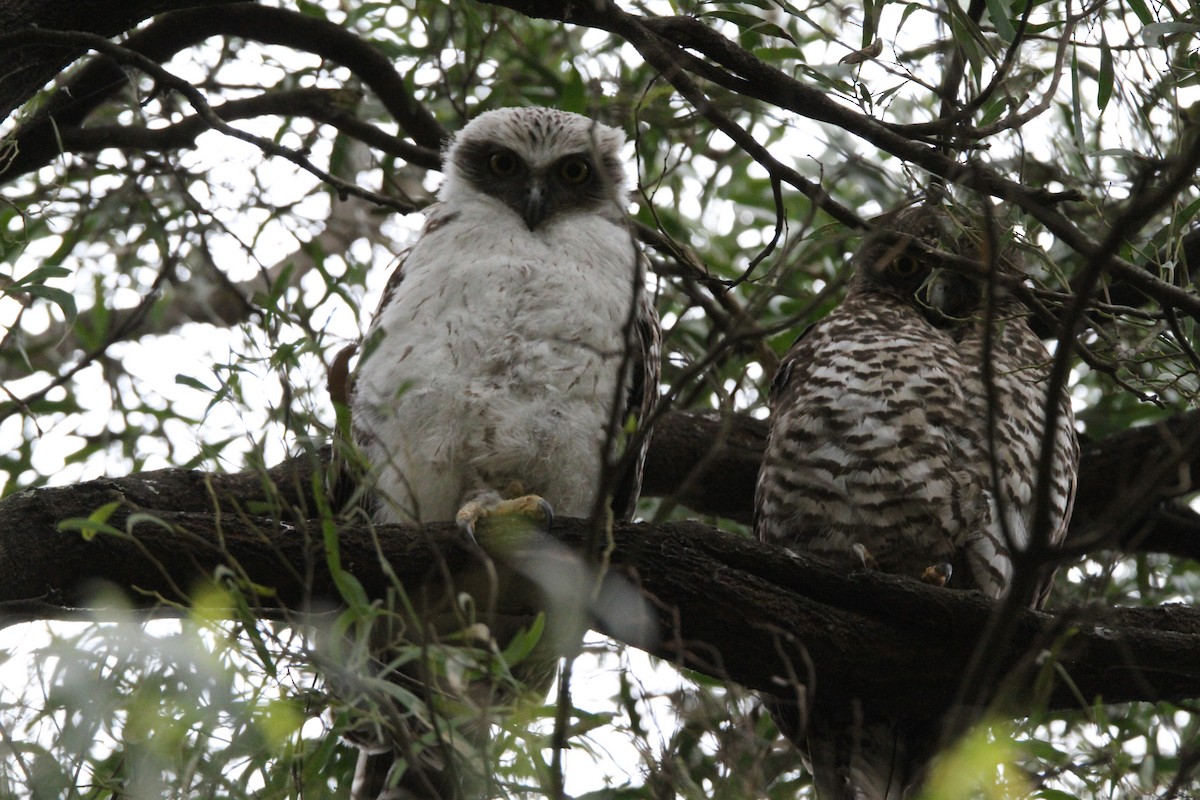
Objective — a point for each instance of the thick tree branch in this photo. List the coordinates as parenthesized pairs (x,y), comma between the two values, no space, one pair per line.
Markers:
(328,106)
(725,605)
(709,463)
(27,67)
(1120,502)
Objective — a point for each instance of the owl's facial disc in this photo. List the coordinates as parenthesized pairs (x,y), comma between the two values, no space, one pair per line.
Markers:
(538,189)
(895,266)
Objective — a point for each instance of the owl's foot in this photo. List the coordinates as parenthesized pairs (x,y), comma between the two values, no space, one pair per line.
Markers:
(528,512)
(937,574)
(864,556)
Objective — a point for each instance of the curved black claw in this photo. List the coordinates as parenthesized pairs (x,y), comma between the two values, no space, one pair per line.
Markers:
(467,530)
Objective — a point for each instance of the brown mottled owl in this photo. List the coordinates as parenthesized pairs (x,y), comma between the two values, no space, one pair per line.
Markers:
(880,454)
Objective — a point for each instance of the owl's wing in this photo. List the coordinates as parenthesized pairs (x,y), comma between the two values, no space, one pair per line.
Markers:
(1064,482)
(340,383)
(341,378)
(640,396)
(345,483)
(783,375)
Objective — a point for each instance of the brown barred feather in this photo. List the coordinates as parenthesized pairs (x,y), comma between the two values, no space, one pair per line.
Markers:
(880,454)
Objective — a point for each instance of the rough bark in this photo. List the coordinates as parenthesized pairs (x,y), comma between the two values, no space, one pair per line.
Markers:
(24,69)
(724,605)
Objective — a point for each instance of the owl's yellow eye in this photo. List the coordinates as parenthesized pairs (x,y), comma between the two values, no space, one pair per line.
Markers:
(503,164)
(905,266)
(574,170)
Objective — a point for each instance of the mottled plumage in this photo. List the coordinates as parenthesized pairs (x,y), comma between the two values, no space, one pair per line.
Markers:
(513,342)
(880,454)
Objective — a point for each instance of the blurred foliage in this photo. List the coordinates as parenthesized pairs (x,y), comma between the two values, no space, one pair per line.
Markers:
(181,307)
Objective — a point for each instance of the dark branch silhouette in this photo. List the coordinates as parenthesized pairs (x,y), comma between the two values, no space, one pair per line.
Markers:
(725,605)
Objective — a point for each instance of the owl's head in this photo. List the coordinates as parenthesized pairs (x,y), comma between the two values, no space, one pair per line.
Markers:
(889,261)
(540,163)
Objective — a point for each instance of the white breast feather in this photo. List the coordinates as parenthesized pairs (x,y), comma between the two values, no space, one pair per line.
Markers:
(498,361)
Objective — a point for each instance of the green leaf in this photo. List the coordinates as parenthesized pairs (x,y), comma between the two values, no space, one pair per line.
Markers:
(1105,82)
(40,275)
(836,85)
(965,32)
(403,697)
(751,24)
(999,15)
(1143,14)
(909,8)
(60,298)
(96,522)
(523,643)
(1032,28)
(34,284)
(1185,216)
(573,95)
(994,111)
(193,383)
(765,5)
(586,721)
(350,589)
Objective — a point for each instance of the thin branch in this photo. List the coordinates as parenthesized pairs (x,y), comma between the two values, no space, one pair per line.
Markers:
(320,105)
(197,100)
(116,333)
(219,302)
(763,82)
(100,79)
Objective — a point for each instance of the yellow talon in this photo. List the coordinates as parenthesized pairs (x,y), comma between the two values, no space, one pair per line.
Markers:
(525,511)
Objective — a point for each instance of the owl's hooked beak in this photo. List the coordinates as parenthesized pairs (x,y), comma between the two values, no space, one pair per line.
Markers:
(534,208)
(937,292)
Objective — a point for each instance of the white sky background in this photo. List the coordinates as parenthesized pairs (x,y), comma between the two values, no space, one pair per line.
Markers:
(197,348)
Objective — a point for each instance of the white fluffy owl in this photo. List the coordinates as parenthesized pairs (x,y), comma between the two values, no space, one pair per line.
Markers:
(512,344)
(513,328)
